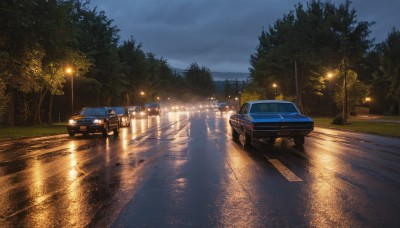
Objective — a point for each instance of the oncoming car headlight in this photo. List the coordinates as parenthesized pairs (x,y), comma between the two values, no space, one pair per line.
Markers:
(72,121)
(142,113)
(96,121)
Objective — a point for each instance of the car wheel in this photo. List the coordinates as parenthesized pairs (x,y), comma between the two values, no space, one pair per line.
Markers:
(235,135)
(271,140)
(116,130)
(299,140)
(246,139)
(72,134)
(105,130)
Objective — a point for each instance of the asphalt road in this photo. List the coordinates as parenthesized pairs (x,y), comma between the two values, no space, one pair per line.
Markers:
(183,170)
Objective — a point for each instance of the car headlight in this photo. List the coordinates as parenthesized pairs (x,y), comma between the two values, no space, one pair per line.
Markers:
(142,113)
(72,121)
(96,121)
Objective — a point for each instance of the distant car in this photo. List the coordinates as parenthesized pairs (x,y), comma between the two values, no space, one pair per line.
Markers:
(136,112)
(152,109)
(270,119)
(123,114)
(94,119)
(223,107)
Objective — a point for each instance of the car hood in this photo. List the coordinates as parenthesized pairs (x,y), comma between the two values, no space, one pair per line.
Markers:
(77,117)
(279,117)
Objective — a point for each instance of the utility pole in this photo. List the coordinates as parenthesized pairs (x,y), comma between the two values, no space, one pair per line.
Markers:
(298,102)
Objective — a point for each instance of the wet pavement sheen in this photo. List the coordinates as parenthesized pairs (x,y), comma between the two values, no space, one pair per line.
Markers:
(184,170)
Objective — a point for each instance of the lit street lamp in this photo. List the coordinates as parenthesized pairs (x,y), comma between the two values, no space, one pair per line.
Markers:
(142,94)
(329,77)
(274,86)
(69,71)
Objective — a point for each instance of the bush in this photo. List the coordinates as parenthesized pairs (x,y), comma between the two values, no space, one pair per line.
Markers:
(338,120)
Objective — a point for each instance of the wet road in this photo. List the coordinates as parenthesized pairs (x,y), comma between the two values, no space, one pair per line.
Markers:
(184,170)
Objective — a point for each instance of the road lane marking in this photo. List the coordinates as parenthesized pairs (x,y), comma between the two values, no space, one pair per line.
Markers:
(289,175)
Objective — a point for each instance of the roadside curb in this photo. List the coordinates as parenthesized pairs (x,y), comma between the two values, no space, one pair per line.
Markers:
(354,131)
(3,140)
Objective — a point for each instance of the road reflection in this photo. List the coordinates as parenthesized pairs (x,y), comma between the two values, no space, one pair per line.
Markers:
(325,200)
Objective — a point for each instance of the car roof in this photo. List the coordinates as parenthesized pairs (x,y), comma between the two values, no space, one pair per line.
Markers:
(269,101)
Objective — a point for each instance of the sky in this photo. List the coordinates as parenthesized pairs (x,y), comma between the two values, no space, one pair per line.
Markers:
(220,34)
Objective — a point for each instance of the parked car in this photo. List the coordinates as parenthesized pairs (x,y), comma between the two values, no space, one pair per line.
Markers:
(123,114)
(94,119)
(152,109)
(136,112)
(270,119)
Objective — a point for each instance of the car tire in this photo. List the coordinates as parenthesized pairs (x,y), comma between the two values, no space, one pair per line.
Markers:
(246,140)
(299,140)
(235,135)
(105,130)
(116,130)
(271,140)
(70,133)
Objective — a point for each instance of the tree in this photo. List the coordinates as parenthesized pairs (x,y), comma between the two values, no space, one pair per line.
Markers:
(357,92)
(199,81)
(227,88)
(316,38)
(389,70)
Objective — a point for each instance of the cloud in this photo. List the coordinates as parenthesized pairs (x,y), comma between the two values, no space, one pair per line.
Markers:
(220,34)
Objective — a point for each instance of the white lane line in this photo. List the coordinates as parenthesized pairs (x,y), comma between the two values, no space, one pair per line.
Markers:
(289,175)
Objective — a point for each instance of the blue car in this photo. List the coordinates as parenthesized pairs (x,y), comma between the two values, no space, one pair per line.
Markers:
(270,119)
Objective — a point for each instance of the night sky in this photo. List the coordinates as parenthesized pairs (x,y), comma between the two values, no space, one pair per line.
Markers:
(219,34)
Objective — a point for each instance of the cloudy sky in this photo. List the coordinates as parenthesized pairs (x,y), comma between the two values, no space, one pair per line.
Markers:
(219,34)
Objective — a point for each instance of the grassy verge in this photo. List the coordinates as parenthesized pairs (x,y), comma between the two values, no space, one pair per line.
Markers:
(32,131)
(363,125)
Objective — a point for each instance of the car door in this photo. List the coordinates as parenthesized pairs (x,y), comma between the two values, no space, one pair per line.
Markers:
(239,118)
(112,118)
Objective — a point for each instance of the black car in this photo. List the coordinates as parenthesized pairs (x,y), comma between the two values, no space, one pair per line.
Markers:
(94,119)
(123,114)
(152,109)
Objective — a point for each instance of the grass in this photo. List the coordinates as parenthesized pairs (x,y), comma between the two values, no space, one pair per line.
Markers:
(364,125)
(32,131)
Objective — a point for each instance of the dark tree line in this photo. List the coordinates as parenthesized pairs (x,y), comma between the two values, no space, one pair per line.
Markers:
(320,38)
(40,39)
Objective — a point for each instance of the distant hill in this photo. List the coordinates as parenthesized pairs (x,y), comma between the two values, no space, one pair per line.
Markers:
(221,76)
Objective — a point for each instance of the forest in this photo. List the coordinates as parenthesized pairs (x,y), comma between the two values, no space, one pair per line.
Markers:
(57,56)
(319,55)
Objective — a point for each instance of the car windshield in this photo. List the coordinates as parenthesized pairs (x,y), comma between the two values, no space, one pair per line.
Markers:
(273,107)
(119,110)
(152,105)
(93,112)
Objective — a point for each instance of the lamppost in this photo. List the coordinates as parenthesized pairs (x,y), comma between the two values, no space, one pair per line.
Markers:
(274,86)
(69,71)
(329,77)
(142,94)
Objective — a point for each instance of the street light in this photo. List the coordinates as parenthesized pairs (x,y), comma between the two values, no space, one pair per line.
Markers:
(274,86)
(142,94)
(329,77)
(69,71)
